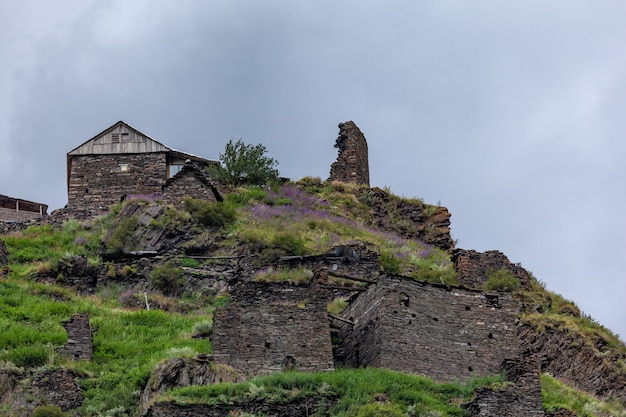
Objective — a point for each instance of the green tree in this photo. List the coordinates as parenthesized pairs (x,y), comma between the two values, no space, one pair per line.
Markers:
(247,164)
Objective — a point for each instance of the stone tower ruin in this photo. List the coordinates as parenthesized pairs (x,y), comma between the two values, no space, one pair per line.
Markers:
(352,163)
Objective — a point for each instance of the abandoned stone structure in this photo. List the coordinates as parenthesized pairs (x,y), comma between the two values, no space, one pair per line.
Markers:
(473,267)
(521,397)
(446,333)
(79,344)
(278,328)
(352,164)
(18,210)
(120,161)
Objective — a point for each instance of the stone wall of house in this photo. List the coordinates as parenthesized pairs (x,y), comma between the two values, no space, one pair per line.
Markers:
(190,181)
(99,181)
(79,344)
(352,163)
(12,215)
(442,332)
(263,334)
(472,267)
(521,398)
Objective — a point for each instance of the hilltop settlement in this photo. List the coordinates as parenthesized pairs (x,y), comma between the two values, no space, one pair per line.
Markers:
(410,300)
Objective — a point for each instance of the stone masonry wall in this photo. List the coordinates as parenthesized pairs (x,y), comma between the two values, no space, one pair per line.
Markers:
(472,267)
(441,332)
(99,181)
(522,398)
(79,338)
(259,339)
(352,163)
(11,215)
(189,182)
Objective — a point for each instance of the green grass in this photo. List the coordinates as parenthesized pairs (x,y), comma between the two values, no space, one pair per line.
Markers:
(556,395)
(353,388)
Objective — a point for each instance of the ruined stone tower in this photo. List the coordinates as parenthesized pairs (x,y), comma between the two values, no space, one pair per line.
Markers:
(352,163)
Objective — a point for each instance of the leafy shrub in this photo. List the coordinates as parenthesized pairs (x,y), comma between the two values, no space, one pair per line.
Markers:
(189,262)
(120,235)
(203,328)
(246,164)
(168,278)
(389,262)
(381,410)
(294,275)
(501,280)
(437,274)
(48,411)
(28,356)
(209,213)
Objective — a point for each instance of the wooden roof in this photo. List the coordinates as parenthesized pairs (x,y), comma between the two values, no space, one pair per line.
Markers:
(25,205)
(121,138)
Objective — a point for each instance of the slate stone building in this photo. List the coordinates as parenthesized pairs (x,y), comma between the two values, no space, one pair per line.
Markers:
(446,333)
(121,161)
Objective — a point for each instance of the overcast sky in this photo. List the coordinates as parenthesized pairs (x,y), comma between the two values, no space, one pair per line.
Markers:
(510,113)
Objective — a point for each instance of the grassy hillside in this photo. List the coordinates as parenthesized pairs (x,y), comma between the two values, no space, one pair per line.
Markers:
(308,217)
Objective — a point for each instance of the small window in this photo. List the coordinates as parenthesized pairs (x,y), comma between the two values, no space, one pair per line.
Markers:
(123,167)
(125,137)
(115,138)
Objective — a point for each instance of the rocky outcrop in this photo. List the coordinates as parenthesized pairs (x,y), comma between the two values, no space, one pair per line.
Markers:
(181,372)
(352,163)
(22,392)
(568,356)
(472,267)
(411,220)
(141,229)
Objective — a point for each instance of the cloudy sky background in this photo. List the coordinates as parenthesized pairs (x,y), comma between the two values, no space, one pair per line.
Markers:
(511,113)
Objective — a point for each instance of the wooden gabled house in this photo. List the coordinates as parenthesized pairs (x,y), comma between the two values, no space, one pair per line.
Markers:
(122,161)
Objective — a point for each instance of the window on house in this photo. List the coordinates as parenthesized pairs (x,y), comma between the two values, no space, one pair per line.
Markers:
(125,137)
(123,167)
(115,137)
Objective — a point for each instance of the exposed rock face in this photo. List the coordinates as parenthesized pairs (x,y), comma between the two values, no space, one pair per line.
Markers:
(566,356)
(79,338)
(180,372)
(352,163)
(142,238)
(472,267)
(430,227)
(520,399)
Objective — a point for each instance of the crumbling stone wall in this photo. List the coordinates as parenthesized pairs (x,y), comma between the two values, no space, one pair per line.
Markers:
(99,181)
(522,398)
(352,163)
(79,344)
(4,254)
(300,407)
(568,356)
(261,336)
(441,332)
(472,267)
(190,181)
(23,391)
(12,215)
